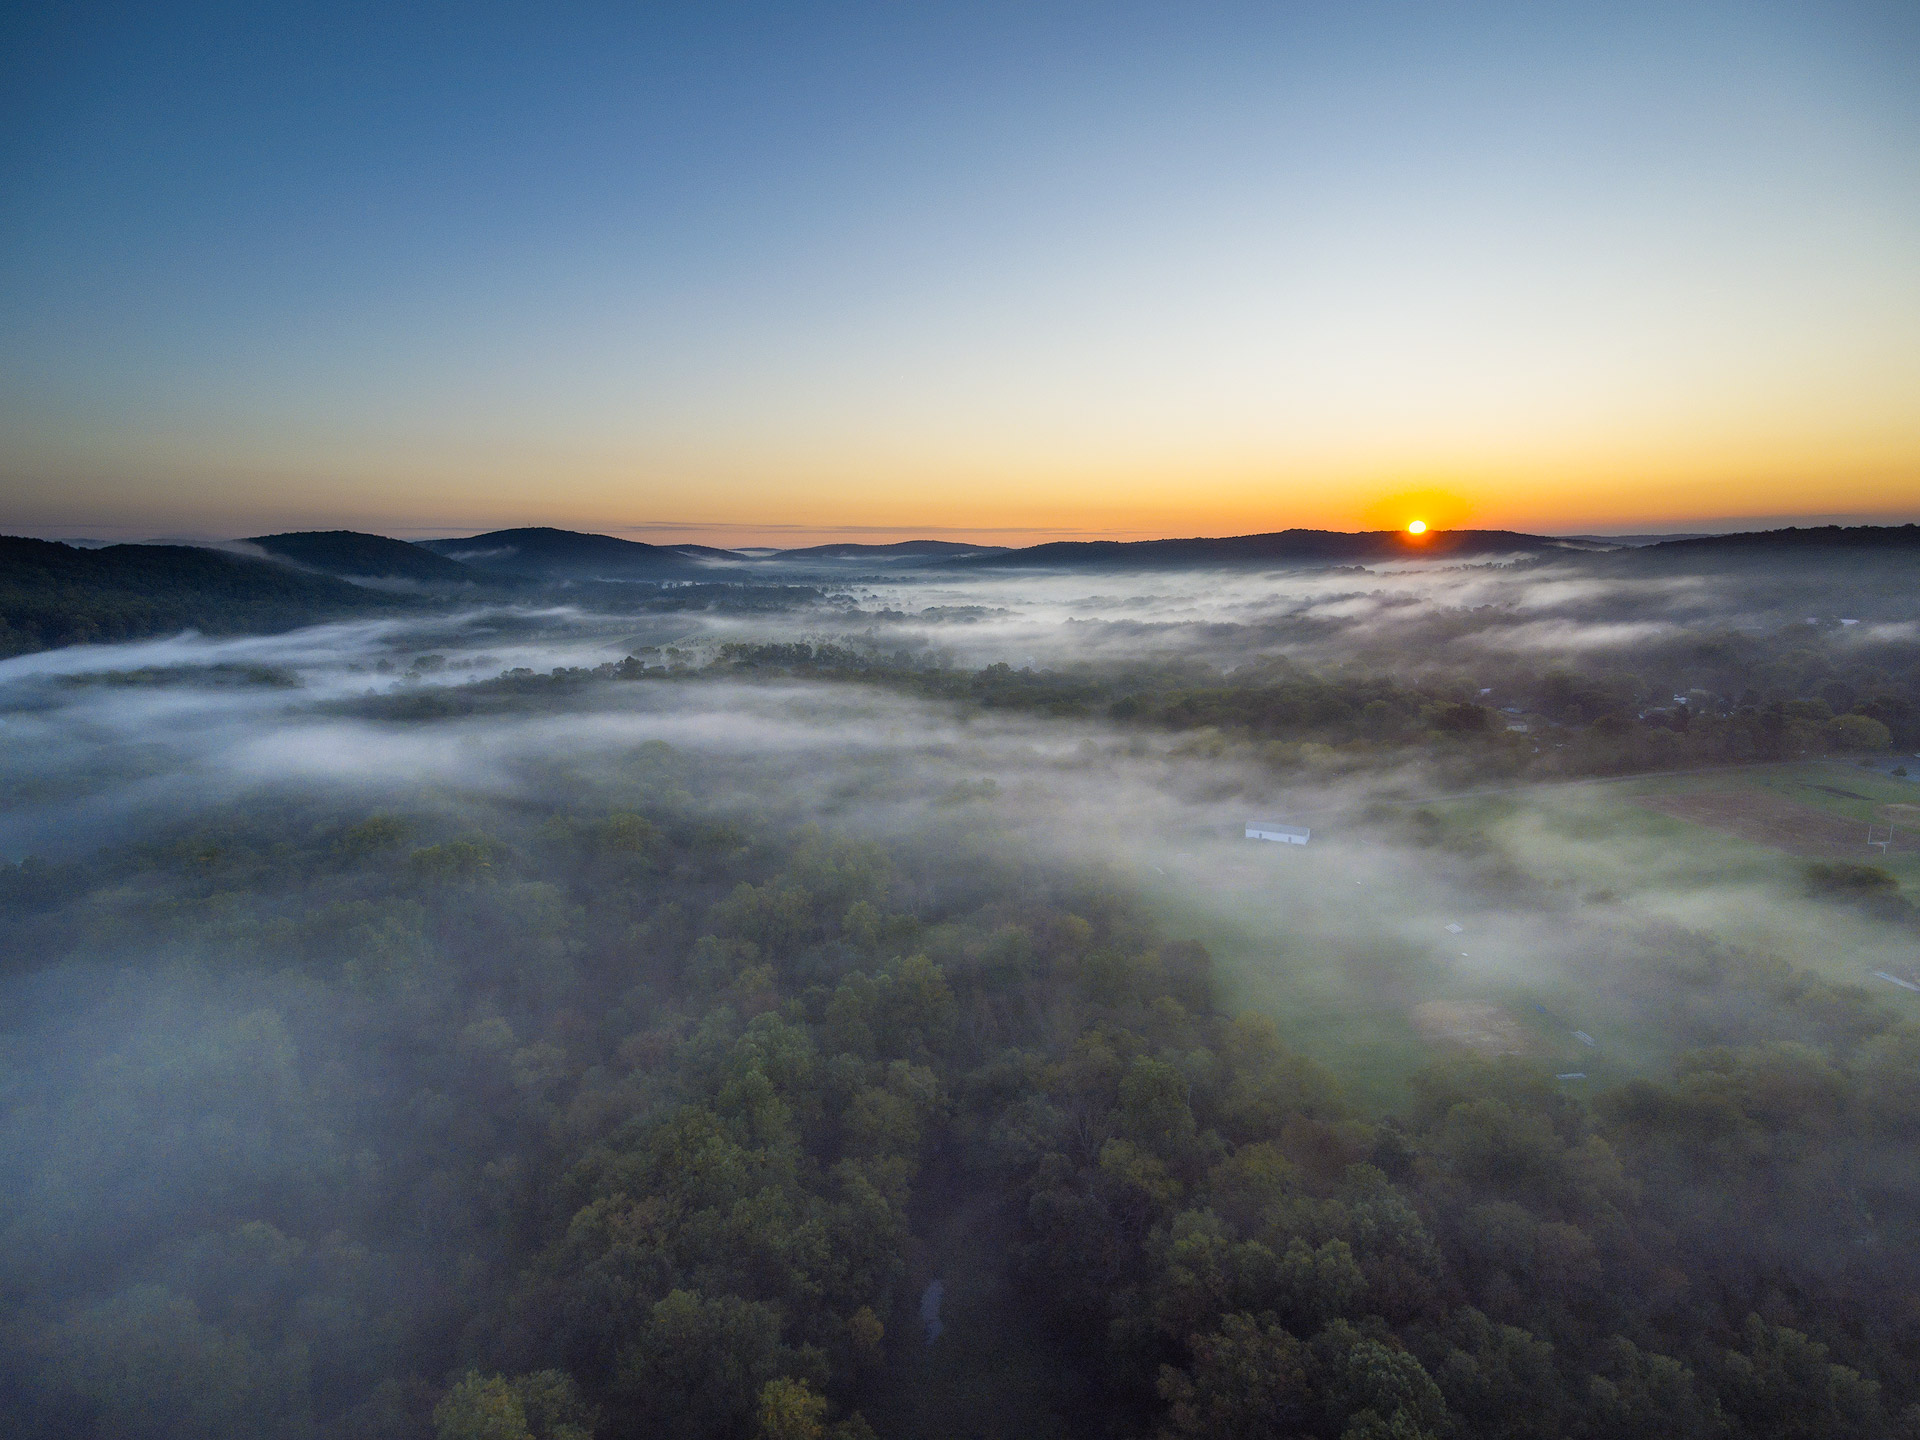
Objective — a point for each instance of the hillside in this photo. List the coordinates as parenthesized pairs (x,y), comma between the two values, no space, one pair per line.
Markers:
(1279,547)
(900,549)
(542,552)
(1787,570)
(1795,539)
(353,554)
(53,594)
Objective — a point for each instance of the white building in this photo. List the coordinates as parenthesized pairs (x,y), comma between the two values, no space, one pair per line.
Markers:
(1274,830)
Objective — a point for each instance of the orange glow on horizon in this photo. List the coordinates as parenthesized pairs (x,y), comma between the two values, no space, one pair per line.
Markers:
(718,499)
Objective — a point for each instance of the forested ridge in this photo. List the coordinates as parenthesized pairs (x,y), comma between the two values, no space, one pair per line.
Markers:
(53,594)
(598,1115)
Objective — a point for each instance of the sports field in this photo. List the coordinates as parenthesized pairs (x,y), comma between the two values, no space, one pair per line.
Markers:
(1823,809)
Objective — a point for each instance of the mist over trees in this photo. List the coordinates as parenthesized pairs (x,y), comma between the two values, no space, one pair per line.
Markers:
(801,1010)
(53,594)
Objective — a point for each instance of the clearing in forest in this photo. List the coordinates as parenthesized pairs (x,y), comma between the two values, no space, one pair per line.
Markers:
(1484,1028)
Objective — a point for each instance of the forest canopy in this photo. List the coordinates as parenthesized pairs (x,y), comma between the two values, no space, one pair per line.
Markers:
(520,1022)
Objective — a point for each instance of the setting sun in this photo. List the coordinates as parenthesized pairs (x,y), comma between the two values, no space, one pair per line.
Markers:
(1418,527)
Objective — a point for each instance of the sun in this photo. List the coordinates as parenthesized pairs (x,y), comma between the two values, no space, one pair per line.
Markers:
(1418,527)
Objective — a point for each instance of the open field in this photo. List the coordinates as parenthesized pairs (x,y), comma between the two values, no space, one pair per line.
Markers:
(1817,809)
(1771,819)
(1345,942)
(1351,957)
(1484,1028)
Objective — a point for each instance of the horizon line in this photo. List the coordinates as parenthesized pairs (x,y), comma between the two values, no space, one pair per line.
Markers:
(683,531)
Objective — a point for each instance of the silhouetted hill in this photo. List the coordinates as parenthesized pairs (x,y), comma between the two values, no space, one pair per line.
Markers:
(546,553)
(355,554)
(1813,538)
(53,594)
(1877,558)
(1279,547)
(900,548)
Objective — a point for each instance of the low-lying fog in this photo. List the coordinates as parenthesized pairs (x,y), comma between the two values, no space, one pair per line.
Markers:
(157,1096)
(1550,886)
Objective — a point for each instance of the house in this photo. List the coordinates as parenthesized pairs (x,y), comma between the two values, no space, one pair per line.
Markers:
(1274,830)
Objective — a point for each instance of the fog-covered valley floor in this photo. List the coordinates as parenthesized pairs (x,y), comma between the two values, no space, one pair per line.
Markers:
(357,975)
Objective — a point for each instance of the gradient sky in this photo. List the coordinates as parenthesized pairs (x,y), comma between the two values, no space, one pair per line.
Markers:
(770,273)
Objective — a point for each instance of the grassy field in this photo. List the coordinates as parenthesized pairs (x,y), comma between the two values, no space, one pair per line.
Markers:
(1343,942)
(1863,796)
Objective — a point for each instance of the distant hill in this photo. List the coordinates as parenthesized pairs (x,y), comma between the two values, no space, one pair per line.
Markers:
(902,549)
(565,554)
(1814,537)
(1279,547)
(546,553)
(53,594)
(356,555)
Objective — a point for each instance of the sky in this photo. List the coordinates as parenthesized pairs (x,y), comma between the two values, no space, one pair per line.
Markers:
(774,274)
